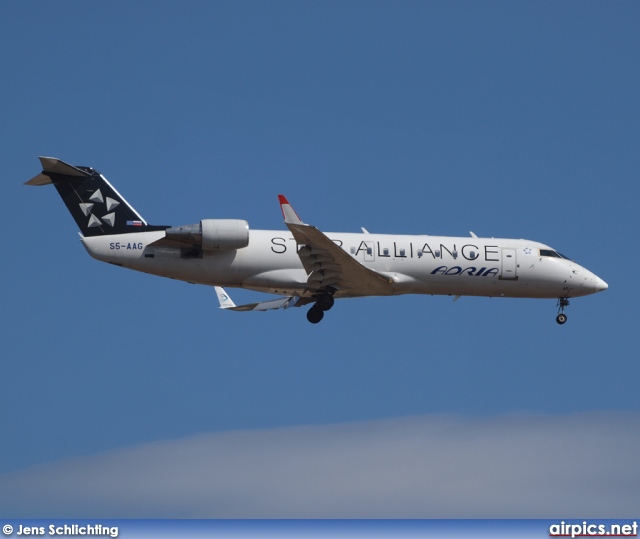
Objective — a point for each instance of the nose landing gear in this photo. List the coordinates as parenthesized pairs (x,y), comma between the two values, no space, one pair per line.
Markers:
(562,303)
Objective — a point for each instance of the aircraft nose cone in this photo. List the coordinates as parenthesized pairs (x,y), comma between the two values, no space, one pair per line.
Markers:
(600,285)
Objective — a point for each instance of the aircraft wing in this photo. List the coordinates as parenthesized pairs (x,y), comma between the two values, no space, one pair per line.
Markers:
(280,303)
(327,265)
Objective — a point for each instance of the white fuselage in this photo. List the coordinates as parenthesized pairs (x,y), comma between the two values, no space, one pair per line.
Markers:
(465,266)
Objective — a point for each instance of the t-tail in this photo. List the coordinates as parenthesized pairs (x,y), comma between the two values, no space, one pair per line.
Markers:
(94,203)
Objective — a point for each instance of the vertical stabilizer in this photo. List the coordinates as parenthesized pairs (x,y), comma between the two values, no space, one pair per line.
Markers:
(95,205)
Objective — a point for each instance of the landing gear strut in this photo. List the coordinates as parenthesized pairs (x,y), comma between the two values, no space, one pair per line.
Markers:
(562,303)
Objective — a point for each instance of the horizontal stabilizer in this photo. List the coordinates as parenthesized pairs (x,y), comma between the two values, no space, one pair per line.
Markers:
(55,166)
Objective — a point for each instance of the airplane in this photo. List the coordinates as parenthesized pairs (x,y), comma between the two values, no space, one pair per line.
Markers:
(304,265)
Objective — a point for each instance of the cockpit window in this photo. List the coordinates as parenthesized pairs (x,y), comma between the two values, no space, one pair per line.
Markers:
(555,254)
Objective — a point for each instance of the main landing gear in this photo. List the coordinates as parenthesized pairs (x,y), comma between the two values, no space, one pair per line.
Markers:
(562,303)
(323,303)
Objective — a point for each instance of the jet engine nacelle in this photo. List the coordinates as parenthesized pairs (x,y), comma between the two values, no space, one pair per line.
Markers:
(213,234)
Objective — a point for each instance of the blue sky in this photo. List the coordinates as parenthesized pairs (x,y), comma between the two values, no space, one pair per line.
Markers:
(509,119)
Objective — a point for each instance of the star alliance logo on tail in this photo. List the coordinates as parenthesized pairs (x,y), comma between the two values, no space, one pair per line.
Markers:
(97,198)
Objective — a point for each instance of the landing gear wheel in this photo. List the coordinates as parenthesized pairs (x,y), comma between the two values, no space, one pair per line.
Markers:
(561,318)
(325,302)
(562,303)
(315,314)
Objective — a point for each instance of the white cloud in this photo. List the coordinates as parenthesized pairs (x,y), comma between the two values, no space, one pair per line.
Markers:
(519,466)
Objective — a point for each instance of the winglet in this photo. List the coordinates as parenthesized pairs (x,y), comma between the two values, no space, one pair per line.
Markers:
(289,214)
(224,299)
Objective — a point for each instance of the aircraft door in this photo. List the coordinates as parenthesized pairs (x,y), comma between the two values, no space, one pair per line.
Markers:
(509,264)
(369,254)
